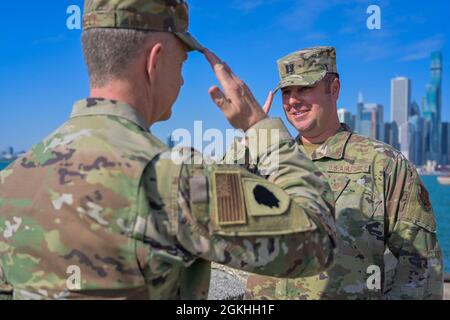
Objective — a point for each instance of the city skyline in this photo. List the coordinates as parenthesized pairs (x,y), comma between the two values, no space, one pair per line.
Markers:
(418,132)
(409,128)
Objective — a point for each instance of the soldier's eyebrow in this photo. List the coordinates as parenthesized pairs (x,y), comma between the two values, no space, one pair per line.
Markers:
(296,88)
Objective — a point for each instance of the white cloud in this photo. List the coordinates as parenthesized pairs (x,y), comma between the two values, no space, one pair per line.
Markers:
(304,15)
(246,6)
(423,48)
(370,51)
(49,40)
(315,36)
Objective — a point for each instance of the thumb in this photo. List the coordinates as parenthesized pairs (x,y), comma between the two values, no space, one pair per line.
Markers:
(217,96)
(268,103)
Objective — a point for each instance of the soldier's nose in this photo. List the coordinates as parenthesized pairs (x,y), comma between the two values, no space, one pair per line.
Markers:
(293,100)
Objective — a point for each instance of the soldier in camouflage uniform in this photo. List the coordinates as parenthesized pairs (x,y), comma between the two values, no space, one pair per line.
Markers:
(387,245)
(101,209)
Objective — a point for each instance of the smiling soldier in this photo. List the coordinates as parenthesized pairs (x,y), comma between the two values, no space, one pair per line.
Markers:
(387,246)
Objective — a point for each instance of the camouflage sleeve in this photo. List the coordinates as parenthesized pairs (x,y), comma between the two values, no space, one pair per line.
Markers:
(281,225)
(412,237)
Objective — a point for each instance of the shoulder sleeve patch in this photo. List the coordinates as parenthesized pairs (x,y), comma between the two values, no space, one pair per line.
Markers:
(251,206)
(264,199)
(230,207)
(418,208)
(424,197)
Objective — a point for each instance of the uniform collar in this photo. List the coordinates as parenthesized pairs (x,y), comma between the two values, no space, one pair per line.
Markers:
(103,107)
(334,147)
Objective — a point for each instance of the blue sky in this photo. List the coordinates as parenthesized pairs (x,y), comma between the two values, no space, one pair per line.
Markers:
(42,71)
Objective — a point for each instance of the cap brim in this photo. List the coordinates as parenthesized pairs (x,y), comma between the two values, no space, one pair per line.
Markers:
(191,43)
(305,80)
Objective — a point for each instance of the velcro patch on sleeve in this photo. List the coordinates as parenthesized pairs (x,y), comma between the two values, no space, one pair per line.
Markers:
(198,186)
(230,207)
(264,198)
(424,198)
(418,208)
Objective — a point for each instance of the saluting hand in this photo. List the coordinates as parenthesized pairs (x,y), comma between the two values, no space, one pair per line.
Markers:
(237,101)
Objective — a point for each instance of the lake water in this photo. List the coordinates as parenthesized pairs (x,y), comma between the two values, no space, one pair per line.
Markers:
(440,198)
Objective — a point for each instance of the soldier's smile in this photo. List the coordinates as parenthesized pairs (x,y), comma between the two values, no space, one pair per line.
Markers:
(299,113)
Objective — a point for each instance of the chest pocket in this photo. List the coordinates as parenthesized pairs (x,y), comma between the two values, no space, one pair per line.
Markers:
(338,183)
(356,203)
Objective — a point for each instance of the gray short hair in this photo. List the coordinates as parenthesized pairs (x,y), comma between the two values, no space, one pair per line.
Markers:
(108,52)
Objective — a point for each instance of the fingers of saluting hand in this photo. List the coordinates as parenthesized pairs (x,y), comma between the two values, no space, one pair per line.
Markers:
(268,103)
(231,84)
(221,70)
(218,97)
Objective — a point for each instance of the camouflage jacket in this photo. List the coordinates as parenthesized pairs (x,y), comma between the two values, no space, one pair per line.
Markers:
(387,246)
(103,210)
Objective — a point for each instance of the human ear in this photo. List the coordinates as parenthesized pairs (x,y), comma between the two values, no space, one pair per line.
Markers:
(153,62)
(336,88)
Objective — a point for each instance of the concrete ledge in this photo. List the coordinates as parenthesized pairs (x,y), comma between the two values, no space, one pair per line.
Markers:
(229,284)
(447,277)
(447,291)
(446,286)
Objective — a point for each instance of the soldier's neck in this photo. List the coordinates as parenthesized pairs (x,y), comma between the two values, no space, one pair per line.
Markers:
(323,136)
(126,93)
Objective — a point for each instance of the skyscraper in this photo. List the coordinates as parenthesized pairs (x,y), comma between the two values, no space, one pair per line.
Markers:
(391,134)
(346,117)
(415,109)
(359,111)
(400,100)
(371,121)
(445,143)
(406,136)
(427,116)
(401,111)
(377,120)
(432,113)
(416,149)
(365,123)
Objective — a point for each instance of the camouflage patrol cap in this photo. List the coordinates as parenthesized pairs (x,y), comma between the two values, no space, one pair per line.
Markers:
(306,67)
(152,15)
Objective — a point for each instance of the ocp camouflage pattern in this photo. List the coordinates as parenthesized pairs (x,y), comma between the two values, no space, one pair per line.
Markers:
(140,221)
(384,218)
(158,15)
(145,15)
(306,67)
